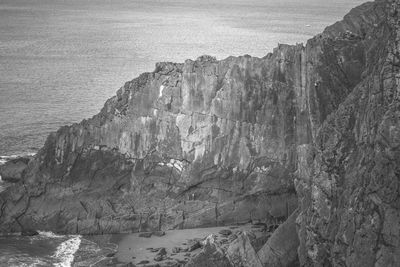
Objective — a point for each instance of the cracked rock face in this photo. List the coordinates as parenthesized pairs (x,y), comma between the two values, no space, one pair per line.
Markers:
(202,143)
(348,180)
(209,142)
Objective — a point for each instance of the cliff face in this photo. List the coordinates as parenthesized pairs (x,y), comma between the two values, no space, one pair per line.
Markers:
(196,144)
(212,142)
(348,184)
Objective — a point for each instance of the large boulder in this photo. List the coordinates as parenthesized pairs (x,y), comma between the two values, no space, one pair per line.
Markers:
(242,254)
(281,248)
(12,171)
(29,232)
(209,142)
(210,256)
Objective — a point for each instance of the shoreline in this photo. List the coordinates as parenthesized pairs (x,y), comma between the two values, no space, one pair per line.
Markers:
(174,247)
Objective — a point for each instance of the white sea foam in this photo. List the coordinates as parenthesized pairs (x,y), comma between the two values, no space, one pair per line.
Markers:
(27,154)
(49,234)
(25,261)
(66,250)
(4,159)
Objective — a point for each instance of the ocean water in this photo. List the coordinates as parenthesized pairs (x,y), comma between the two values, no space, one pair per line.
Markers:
(45,249)
(61,59)
(49,249)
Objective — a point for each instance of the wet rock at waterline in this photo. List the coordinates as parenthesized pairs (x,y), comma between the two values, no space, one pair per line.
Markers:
(311,127)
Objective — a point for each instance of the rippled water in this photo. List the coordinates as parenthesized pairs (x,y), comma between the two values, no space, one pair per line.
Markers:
(61,59)
(48,249)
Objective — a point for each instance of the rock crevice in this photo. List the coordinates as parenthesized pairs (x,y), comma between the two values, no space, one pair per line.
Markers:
(311,127)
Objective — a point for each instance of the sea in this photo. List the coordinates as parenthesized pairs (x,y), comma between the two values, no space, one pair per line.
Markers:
(60,60)
(49,249)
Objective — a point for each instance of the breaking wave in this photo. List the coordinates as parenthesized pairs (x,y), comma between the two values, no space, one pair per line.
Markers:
(22,261)
(65,252)
(50,235)
(4,159)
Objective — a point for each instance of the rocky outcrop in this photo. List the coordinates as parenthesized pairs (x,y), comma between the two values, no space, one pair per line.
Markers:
(210,256)
(202,143)
(211,142)
(348,180)
(281,247)
(13,170)
(242,254)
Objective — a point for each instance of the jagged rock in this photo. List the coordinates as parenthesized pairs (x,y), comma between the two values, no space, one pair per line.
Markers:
(169,140)
(241,253)
(225,232)
(176,250)
(281,248)
(146,235)
(12,171)
(29,232)
(347,183)
(193,245)
(210,256)
(162,252)
(159,258)
(259,242)
(232,237)
(209,142)
(272,227)
(158,233)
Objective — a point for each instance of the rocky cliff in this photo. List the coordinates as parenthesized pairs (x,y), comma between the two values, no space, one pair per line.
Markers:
(348,180)
(243,139)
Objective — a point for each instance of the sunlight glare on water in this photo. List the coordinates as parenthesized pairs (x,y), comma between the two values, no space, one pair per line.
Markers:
(60,60)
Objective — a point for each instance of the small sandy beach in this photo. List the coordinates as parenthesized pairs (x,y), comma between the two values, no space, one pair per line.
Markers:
(142,251)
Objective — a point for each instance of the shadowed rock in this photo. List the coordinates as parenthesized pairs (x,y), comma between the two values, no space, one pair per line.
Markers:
(242,254)
(281,248)
(12,171)
(29,232)
(210,256)
(210,142)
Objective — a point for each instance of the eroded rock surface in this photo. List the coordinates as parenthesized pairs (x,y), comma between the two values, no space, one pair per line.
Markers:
(210,142)
(210,256)
(281,248)
(242,254)
(348,179)
(202,143)
(13,170)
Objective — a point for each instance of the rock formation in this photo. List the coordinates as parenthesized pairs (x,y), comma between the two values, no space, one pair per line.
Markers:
(281,247)
(12,171)
(211,142)
(347,179)
(242,254)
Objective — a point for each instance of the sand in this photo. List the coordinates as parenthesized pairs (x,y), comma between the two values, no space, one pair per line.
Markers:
(132,248)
